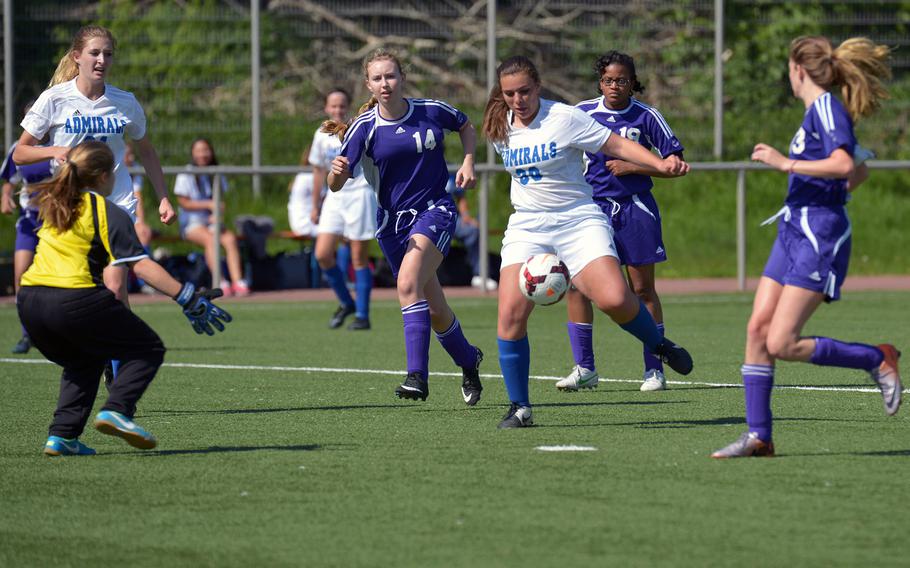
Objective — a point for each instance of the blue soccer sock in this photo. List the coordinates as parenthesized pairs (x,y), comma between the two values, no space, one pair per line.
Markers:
(643,327)
(343,258)
(515,362)
(336,281)
(652,361)
(363,279)
(115,367)
(758,381)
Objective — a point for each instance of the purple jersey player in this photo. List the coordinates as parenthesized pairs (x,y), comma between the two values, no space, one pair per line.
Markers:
(28,223)
(623,191)
(398,145)
(809,259)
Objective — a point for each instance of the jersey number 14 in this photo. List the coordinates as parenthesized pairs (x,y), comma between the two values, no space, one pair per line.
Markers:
(429,141)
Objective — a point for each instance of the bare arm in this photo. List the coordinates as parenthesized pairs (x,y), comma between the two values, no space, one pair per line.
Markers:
(637,154)
(149,158)
(465,176)
(624,168)
(860,174)
(7,203)
(28,152)
(319,176)
(195,204)
(157,277)
(839,165)
(340,173)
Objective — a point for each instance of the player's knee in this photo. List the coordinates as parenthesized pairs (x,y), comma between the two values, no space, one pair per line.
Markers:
(609,301)
(757,331)
(781,346)
(407,285)
(646,293)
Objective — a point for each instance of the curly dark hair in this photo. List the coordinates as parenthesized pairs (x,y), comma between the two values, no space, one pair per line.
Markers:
(623,59)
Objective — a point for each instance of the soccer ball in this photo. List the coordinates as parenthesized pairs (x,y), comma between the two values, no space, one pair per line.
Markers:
(543,279)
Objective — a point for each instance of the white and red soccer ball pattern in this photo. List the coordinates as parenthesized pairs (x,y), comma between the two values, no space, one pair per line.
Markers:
(544,279)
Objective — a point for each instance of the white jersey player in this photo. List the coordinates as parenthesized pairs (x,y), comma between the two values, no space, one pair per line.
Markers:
(542,144)
(349,213)
(80,106)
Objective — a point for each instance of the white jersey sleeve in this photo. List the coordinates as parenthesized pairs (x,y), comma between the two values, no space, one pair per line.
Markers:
(184,185)
(588,134)
(136,127)
(39,118)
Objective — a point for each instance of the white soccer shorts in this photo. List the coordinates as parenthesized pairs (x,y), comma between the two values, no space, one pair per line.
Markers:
(577,236)
(351,214)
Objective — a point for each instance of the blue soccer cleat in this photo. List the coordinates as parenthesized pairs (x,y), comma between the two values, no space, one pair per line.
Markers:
(57,446)
(115,424)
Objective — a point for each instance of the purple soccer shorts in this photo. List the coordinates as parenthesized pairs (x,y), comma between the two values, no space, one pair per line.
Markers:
(396,228)
(636,229)
(27,230)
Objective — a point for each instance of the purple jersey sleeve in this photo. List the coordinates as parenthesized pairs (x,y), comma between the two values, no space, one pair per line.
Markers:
(446,116)
(834,125)
(355,139)
(659,133)
(8,169)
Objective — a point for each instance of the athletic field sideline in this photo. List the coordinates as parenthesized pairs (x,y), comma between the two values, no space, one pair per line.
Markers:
(281,443)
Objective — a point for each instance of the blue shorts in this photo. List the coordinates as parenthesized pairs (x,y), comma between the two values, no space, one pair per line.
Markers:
(396,228)
(812,250)
(636,229)
(27,230)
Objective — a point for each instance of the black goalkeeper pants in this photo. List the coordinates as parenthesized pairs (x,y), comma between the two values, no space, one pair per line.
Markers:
(81,330)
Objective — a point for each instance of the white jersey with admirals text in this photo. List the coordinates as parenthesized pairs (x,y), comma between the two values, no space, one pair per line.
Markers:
(69,117)
(546,158)
(324,149)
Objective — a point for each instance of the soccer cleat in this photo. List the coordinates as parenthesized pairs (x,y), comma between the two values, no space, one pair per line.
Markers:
(413,388)
(653,380)
(675,356)
(359,323)
(470,381)
(226,289)
(57,446)
(115,424)
(518,416)
(579,378)
(746,446)
(240,288)
(340,315)
(888,378)
(22,347)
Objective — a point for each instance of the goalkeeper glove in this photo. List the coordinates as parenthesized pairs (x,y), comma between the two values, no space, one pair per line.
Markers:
(199,309)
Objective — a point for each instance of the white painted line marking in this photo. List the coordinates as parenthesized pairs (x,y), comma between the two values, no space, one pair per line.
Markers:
(566,448)
(446,374)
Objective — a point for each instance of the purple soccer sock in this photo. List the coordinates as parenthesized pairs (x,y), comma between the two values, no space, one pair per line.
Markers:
(581,338)
(758,380)
(833,353)
(417,337)
(453,341)
(652,361)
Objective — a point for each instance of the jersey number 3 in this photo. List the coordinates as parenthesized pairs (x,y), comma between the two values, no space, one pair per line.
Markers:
(429,141)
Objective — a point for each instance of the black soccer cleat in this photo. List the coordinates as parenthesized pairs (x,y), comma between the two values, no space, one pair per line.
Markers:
(470,381)
(359,323)
(22,347)
(675,356)
(517,417)
(340,315)
(413,388)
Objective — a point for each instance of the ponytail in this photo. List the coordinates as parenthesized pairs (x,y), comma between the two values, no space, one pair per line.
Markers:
(66,70)
(60,198)
(494,116)
(335,128)
(862,68)
(858,66)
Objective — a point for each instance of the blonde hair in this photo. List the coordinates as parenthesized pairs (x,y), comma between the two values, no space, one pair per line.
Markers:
(60,198)
(340,128)
(857,65)
(67,68)
(496,111)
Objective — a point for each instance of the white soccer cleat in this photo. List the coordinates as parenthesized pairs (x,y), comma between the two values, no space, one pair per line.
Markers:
(653,380)
(579,378)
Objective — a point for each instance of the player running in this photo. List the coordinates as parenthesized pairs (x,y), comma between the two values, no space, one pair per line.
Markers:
(623,191)
(541,143)
(76,322)
(398,144)
(349,213)
(809,259)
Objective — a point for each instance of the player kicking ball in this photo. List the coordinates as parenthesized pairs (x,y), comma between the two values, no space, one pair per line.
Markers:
(76,322)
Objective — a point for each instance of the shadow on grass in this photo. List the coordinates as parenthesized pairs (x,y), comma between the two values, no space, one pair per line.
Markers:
(611,403)
(219,450)
(268,410)
(880,454)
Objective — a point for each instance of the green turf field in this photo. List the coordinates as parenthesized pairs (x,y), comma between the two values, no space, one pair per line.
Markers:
(290,467)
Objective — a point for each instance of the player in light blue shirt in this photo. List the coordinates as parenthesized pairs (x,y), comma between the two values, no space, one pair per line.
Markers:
(809,259)
(398,144)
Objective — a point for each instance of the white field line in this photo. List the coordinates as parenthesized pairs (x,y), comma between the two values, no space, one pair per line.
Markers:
(444,374)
